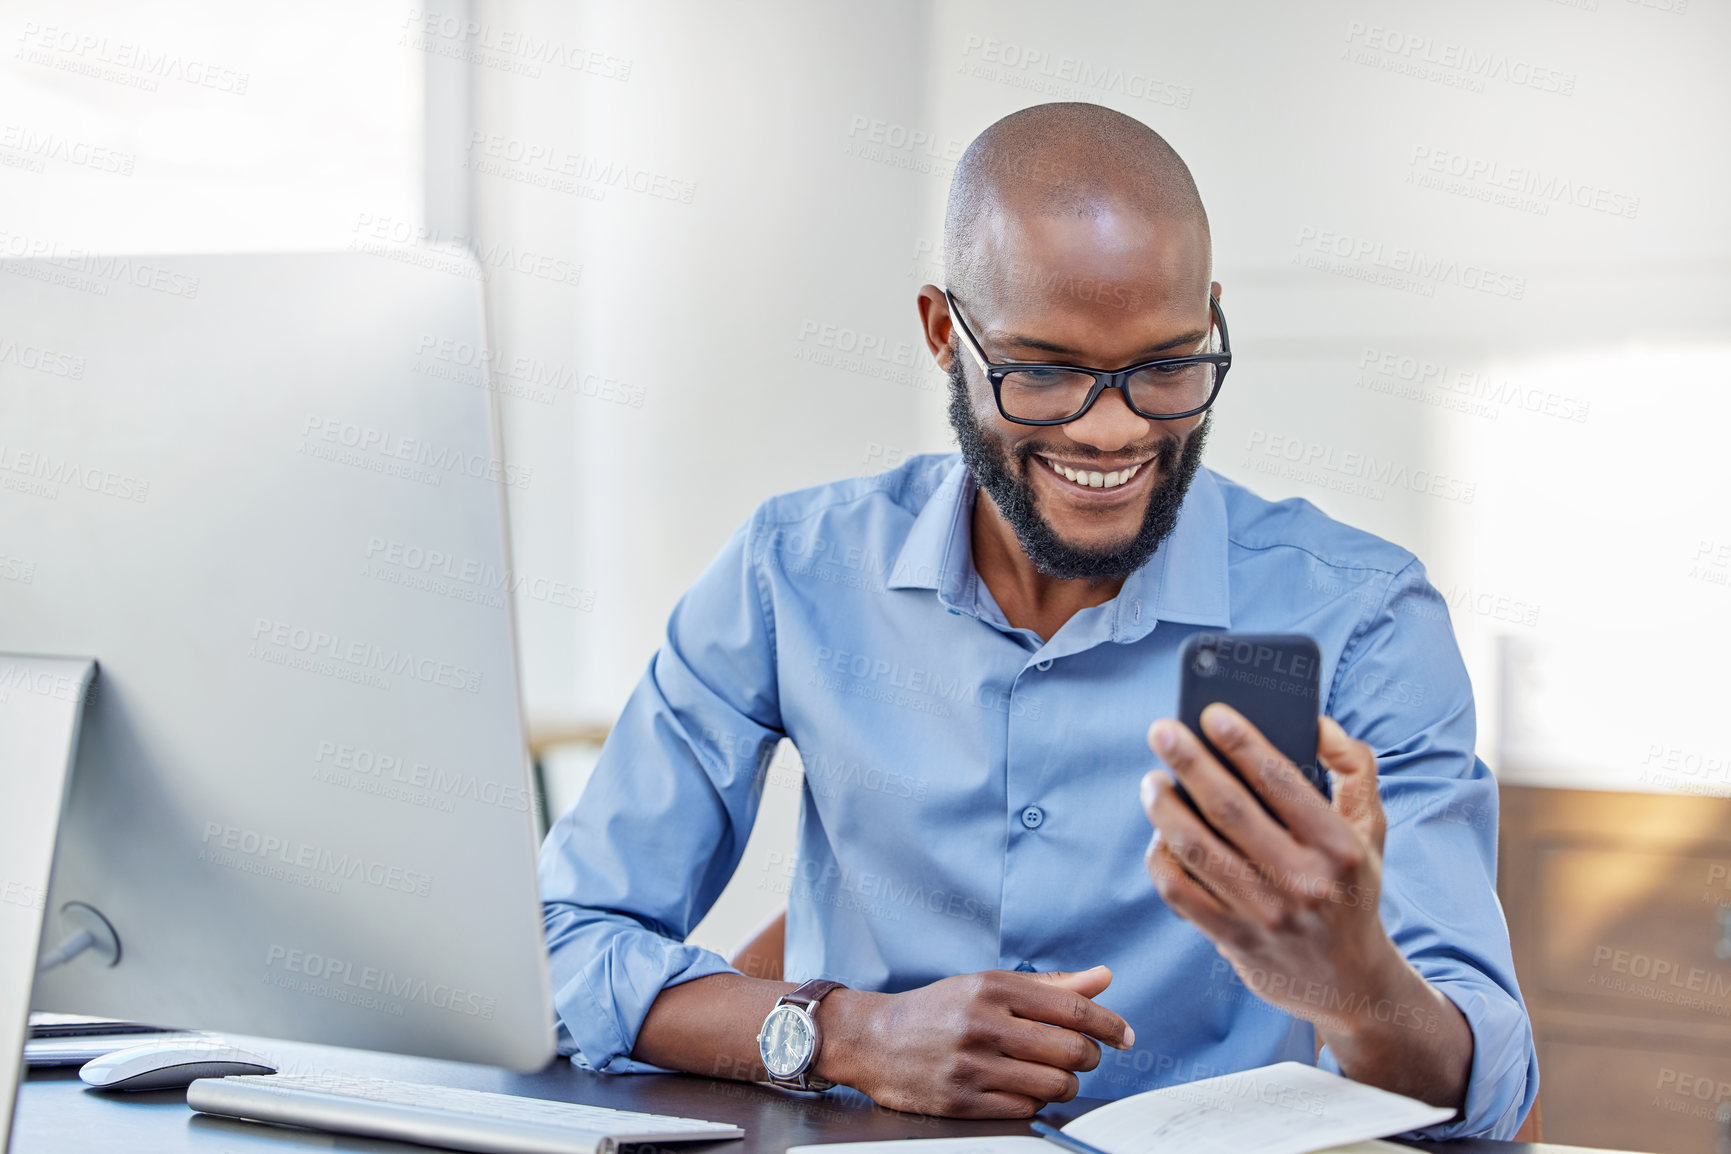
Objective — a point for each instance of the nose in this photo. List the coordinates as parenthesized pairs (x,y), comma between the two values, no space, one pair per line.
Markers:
(1109,425)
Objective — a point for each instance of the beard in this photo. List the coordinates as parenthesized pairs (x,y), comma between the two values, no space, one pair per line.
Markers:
(1006,482)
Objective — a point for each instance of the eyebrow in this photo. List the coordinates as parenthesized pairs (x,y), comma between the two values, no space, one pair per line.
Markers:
(1065,351)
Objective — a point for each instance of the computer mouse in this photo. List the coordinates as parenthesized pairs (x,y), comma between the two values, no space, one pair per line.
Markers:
(169,1065)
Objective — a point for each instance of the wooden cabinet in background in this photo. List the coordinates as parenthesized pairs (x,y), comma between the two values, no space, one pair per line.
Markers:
(1619,908)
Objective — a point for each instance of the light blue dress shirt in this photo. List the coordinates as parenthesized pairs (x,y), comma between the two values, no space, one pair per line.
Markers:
(970,798)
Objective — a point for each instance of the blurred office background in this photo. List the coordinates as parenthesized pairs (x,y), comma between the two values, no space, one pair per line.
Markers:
(1474,255)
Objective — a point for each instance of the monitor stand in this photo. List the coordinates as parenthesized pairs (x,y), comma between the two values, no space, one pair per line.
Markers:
(41,702)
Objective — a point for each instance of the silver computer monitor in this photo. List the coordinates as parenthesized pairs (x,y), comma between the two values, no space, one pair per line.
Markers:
(266,495)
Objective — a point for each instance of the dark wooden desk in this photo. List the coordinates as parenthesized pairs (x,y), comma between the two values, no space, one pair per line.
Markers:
(57,1114)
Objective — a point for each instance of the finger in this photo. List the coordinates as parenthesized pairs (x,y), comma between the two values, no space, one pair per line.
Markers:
(996,1104)
(1040,999)
(1089,983)
(1238,884)
(1271,774)
(1190,900)
(1312,825)
(1030,1079)
(1222,799)
(1150,782)
(1153,784)
(1353,764)
(1048,1045)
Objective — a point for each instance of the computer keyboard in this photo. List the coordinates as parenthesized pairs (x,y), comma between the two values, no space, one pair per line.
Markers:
(471,1120)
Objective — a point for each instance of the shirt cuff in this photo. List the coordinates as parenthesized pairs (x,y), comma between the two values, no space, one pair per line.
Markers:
(602,1006)
(1505,1072)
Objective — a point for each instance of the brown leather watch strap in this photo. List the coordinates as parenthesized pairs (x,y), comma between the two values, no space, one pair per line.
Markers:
(807,995)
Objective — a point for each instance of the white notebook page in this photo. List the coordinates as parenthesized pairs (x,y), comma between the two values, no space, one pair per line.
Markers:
(1289,1108)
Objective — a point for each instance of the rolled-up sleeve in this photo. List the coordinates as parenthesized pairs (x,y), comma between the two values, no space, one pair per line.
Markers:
(1402,688)
(630,869)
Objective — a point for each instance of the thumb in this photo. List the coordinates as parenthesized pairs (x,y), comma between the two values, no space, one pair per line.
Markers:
(1353,766)
(1088,983)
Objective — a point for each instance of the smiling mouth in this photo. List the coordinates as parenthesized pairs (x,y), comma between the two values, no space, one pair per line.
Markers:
(1093,478)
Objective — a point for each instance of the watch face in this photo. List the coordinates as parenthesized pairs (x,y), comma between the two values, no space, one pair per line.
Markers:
(786,1042)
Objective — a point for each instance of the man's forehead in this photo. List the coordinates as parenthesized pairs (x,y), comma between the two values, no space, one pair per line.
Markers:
(1112,259)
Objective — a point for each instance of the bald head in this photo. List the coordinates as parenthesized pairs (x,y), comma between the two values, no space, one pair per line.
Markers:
(1080,162)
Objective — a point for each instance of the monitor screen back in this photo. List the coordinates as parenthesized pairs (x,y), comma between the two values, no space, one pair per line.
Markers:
(266,494)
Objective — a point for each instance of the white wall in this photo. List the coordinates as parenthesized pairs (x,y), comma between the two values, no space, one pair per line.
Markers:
(188,126)
(693,302)
(1562,534)
(1312,139)
(1312,157)
(680,347)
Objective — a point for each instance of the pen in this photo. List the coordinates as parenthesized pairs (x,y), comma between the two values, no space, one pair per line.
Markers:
(1075,1145)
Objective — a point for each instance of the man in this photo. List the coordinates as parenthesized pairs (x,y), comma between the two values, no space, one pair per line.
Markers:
(968,653)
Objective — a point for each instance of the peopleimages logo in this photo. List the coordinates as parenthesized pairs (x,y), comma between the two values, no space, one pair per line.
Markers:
(925,690)
(123,61)
(23,677)
(138,273)
(42,474)
(1465,390)
(1489,176)
(466,578)
(561,170)
(1662,979)
(1400,266)
(232,847)
(358,764)
(345,442)
(17,569)
(31,148)
(395,238)
(286,637)
(16,893)
(500,46)
(331,976)
(41,360)
(1442,61)
(1065,76)
(540,380)
(82,271)
(1349,471)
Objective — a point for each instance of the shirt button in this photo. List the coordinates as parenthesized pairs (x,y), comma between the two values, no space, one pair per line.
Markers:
(1044,665)
(1025,968)
(1032,817)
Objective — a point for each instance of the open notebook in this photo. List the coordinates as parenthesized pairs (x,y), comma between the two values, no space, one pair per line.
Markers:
(1289,1108)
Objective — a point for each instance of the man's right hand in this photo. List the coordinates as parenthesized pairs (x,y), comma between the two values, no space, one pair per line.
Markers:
(998,1044)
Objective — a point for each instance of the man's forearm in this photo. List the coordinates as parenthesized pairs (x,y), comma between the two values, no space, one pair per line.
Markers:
(709,1026)
(1410,1039)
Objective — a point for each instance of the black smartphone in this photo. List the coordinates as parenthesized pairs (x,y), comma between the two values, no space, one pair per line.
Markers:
(1273,679)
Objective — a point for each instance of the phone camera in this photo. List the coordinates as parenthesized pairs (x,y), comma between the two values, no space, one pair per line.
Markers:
(1206,663)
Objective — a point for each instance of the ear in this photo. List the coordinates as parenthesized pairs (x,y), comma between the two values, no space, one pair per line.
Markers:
(1214,287)
(935,323)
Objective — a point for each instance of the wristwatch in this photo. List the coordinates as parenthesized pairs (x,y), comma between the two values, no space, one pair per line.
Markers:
(789,1040)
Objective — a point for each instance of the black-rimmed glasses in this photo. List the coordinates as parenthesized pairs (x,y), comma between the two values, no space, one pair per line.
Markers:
(1160,390)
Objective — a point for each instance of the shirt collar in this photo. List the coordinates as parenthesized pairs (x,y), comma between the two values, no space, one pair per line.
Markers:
(939,551)
(1185,581)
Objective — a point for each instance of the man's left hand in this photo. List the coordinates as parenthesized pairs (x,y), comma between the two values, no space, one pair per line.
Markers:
(1295,910)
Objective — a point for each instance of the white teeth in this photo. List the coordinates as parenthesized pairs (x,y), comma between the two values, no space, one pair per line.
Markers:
(1095,480)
